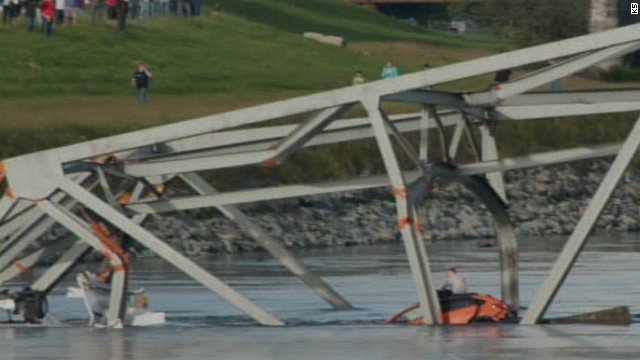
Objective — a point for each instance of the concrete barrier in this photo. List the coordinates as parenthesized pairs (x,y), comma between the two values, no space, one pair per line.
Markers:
(326,39)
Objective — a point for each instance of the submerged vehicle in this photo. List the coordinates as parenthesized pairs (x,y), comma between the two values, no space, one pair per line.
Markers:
(460,309)
(95,295)
(30,304)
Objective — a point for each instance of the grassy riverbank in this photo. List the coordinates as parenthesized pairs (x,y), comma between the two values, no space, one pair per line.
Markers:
(75,85)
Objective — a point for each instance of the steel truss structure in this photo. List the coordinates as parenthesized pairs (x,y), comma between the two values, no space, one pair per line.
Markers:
(101,191)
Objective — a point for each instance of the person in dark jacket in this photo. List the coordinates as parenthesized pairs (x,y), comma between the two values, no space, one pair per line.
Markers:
(30,7)
(140,80)
(122,10)
(502,76)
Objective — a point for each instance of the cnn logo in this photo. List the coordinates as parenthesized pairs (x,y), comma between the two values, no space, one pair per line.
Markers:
(634,8)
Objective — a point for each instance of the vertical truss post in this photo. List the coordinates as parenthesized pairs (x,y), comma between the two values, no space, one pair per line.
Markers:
(118,291)
(505,231)
(489,152)
(169,254)
(55,272)
(473,143)
(272,246)
(423,154)
(506,235)
(444,144)
(578,237)
(106,189)
(454,145)
(418,259)
(425,120)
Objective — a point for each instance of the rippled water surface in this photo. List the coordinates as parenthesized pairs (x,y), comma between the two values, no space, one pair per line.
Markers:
(377,281)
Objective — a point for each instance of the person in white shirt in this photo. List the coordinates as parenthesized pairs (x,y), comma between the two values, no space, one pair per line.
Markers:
(60,11)
(454,282)
(6,11)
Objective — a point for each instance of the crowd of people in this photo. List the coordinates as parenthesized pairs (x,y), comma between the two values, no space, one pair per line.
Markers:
(58,12)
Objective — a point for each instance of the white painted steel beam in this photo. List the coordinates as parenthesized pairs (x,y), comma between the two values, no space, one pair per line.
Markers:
(407,220)
(456,138)
(261,138)
(20,266)
(427,97)
(6,205)
(574,97)
(402,140)
(425,125)
(172,256)
(270,244)
(155,168)
(24,212)
(357,129)
(117,298)
(489,152)
(571,106)
(254,195)
(303,133)
(577,240)
(23,238)
(541,159)
(504,113)
(548,74)
(61,267)
(248,140)
(287,191)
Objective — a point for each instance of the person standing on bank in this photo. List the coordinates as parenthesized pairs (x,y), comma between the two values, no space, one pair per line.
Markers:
(30,10)
(502,76)
(358,78)
(141,80)
(122,10)
(48,12)
(389,71)
(454,282)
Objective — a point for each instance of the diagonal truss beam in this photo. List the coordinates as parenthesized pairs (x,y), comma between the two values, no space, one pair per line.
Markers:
(272,246)
(577,240)
(20,266)
(546,75)
(117,299)
(61,267)
(169,254)
(406,213)
(303,133)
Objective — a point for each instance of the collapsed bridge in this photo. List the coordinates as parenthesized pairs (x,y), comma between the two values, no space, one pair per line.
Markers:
(109,186)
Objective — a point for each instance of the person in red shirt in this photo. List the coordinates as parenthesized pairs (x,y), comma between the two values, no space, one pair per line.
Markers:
(48,11)
(112,12)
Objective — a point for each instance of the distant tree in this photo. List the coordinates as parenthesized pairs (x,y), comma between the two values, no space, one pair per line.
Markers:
(529,22)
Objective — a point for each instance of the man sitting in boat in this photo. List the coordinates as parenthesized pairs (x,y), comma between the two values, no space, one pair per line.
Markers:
(454,283)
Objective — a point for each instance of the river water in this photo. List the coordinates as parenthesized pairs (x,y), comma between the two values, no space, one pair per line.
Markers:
(377,281)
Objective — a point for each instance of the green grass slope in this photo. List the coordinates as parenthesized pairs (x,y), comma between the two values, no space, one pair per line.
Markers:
(341,18)
(210,55)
